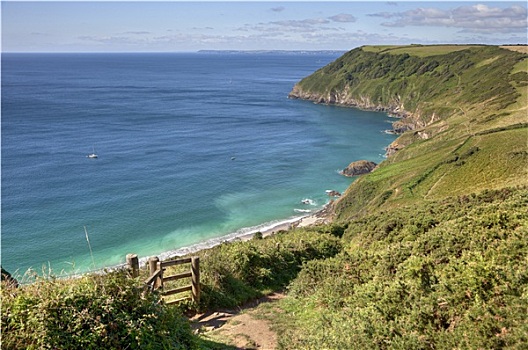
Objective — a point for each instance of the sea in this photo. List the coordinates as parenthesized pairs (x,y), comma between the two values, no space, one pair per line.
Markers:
(193,149)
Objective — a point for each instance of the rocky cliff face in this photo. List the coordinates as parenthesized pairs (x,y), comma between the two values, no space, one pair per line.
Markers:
(408,120)
(344,98)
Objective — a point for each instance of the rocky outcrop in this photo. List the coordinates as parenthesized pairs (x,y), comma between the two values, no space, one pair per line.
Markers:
(343,98)
(359,167)
(333,193)
(396,108)
(394,147)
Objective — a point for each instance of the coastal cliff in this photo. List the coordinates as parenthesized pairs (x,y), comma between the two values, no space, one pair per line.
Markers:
(462,146)
(444,97)
(421,85)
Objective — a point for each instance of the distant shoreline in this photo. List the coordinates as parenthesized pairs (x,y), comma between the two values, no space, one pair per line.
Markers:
(308,52)
(321,216)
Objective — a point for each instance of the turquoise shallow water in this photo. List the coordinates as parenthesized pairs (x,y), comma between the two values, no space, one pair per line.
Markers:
(193,148)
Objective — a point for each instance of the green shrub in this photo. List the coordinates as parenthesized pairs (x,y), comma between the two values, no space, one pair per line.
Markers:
(109,311)
(233,273)
(443,275)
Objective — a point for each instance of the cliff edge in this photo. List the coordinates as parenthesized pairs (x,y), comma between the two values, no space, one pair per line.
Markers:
(448,99)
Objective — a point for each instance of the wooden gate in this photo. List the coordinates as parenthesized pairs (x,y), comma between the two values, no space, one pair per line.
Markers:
(157,278)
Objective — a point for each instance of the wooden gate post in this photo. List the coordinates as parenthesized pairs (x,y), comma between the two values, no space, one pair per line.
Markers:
(153,266)
(195,270)
(133,264)
(159,281)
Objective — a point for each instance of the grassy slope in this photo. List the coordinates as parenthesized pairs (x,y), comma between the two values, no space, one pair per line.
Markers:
(113,311)
(440,275)
(483,89)
(426,263)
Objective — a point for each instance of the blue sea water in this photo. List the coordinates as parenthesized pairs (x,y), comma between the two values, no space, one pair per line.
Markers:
(192,148)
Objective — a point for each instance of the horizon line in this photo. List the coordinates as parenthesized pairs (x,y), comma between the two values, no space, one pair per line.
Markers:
(254,50)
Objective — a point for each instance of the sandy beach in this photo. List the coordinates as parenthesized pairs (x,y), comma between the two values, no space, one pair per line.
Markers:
(321,216)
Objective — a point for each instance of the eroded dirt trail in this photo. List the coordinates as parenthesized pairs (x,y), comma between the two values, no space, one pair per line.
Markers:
(241,328)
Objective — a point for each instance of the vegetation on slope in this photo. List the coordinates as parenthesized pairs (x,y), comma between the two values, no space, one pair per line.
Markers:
(421,269)
(114,311)
(236,272)
(446,274)
(110,311)
(428,86)
(464,112)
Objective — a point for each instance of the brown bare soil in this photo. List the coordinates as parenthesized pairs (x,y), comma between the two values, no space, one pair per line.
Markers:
(241,328)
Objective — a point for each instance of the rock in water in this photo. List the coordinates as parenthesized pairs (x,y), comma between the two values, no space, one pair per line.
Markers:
(333,193)
(359,167)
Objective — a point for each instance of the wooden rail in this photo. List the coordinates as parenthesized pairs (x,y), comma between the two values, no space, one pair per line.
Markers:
(157,278)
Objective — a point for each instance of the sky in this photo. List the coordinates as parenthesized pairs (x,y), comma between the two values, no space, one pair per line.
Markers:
(178,26)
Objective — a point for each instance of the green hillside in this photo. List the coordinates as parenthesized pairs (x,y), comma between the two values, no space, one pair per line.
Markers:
(436,239)
(463,119)
(450,274)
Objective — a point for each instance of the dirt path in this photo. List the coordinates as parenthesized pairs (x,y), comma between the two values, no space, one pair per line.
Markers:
(241,328)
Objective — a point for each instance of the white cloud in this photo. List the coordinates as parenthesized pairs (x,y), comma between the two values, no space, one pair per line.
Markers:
(476,18)
(137,32)
(108,39)
(300,25)
(304,23)
(343,17)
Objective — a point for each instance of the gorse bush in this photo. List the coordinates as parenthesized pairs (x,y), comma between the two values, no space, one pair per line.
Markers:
(233,273)
(108,311)
(113,311)
(443,275)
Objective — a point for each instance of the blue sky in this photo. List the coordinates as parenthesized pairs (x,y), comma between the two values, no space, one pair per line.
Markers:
(144,26)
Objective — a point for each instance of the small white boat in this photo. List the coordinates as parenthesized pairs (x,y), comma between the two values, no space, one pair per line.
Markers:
(93,154)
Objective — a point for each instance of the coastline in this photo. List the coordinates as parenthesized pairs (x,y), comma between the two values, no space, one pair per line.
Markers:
(136,216)
(320,216)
